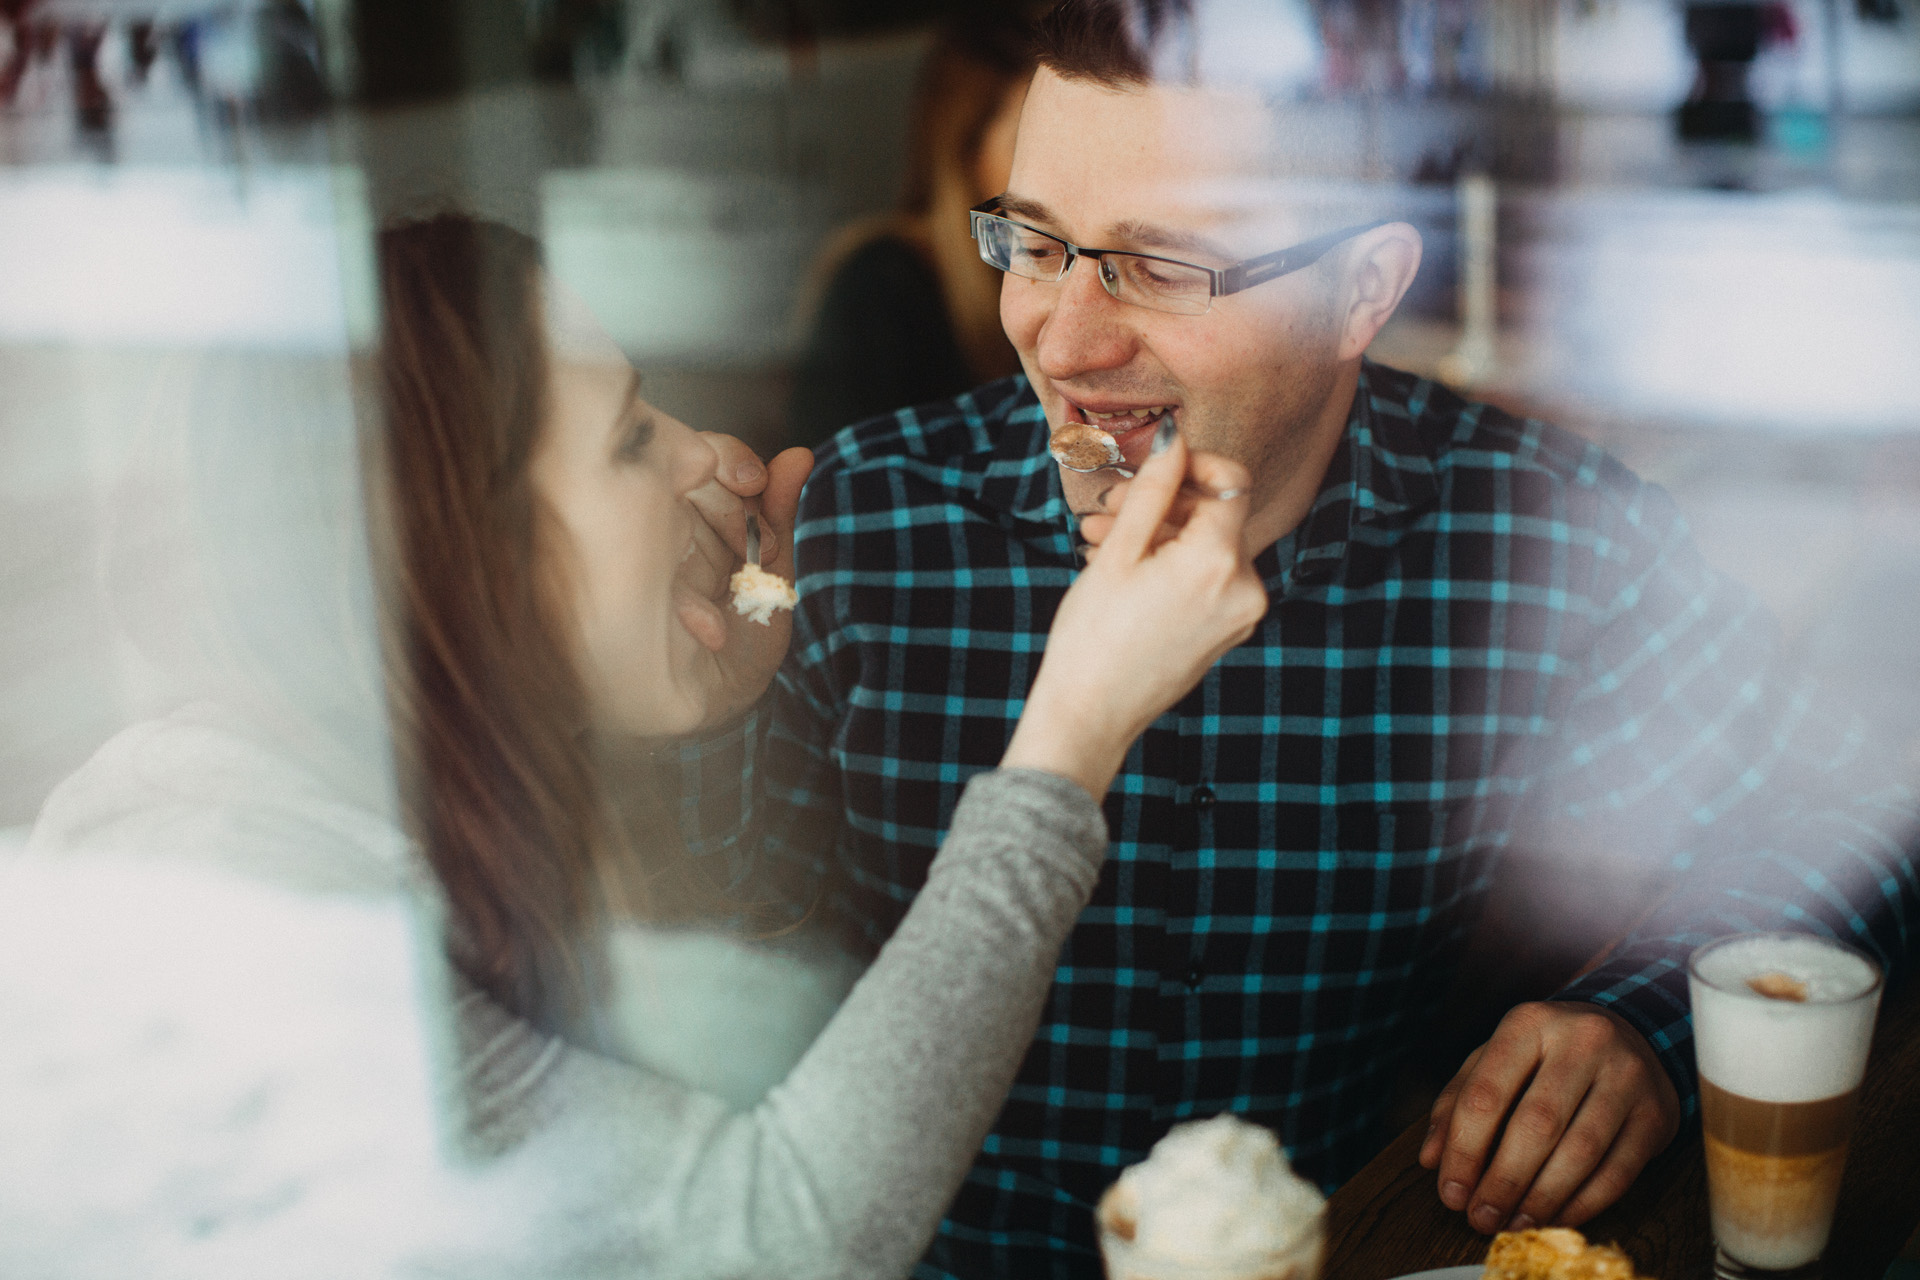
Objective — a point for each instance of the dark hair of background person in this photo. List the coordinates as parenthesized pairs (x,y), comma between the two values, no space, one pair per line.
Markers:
(900,309)
(498,782)
(1106,41)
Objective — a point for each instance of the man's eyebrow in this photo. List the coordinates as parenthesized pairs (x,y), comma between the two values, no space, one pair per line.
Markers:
(1029,210)
(1150,236)
(1132,232)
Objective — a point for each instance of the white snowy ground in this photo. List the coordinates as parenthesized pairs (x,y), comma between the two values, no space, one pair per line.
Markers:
(206,1077)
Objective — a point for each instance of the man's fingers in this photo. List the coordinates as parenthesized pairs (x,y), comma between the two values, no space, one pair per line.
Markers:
(740,470)
(1487,1091)
(1442,1114)
(1533,1134)
(1588,1138)
(786,474)
(713,560)
(1644,1136)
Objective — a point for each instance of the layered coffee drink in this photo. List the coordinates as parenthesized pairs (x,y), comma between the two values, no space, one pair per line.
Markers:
(1781,1025)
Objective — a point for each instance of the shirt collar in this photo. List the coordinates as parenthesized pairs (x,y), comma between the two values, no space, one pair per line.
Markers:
(1381,477)
(1022,478)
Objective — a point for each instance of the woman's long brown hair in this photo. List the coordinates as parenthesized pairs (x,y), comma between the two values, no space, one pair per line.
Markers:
(500,789)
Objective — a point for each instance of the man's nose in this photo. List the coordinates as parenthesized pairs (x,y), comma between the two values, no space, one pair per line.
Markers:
(1088,329)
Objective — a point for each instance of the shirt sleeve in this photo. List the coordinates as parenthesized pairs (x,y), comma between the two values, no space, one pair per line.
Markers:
(1691,741)
(846,1167)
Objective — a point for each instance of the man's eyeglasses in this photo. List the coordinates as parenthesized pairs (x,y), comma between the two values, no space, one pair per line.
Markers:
(1159,284)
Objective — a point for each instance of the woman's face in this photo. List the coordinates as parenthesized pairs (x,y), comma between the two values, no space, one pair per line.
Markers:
(613,475)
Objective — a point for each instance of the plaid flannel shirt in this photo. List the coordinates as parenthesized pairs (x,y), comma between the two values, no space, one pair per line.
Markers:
(1478,614)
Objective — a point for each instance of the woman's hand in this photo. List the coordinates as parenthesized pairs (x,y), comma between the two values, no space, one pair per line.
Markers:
(1145,620)
(753,651)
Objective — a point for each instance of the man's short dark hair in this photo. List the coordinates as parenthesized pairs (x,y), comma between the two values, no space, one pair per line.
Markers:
(1117,43)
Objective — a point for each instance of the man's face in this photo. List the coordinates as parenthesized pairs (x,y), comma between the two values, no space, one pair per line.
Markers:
(1164,171)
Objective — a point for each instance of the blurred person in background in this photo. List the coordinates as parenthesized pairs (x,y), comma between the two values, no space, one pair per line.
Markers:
(1477,625)
(904,311)
(21,42)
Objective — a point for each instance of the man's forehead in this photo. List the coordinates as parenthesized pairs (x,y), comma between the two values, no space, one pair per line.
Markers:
(1169,132)
(1154,165)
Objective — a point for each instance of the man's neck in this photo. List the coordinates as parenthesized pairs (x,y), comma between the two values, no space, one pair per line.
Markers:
(1287,505)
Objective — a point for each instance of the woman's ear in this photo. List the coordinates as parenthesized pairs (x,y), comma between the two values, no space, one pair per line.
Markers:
(1380,266)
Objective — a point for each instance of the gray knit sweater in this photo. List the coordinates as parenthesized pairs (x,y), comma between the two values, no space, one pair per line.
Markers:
(845,1167)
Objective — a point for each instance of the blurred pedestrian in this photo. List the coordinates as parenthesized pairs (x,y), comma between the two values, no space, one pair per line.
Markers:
(906,312)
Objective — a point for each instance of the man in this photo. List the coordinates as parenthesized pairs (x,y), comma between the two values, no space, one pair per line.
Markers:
(1470,617)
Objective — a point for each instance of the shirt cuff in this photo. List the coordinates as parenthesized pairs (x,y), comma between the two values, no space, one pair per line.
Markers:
(1647,985)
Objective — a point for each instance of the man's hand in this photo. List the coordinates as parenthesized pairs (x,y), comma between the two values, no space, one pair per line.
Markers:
(753,651)
(1584,1104)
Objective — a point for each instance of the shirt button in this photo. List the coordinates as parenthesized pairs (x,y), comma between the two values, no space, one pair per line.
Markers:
(1203,797)
(1195,978)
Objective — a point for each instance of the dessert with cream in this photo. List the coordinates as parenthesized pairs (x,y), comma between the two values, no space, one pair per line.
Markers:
(1083,447)
(1554,1253)
(1217,1198)
(757,593)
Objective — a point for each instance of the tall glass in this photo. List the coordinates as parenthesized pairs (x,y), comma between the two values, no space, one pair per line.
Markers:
(1781,1026)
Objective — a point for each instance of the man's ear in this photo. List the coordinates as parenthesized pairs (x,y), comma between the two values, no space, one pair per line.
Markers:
(1380,266)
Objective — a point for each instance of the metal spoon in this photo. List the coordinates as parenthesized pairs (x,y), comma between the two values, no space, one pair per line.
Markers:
(1126,473)
(753,540)
(1087,471)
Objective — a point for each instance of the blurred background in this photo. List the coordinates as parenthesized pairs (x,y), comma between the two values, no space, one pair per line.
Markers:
(1690,231)
(1701,244)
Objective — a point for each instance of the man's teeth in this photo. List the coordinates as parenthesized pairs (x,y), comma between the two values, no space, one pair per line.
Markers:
(1140,415)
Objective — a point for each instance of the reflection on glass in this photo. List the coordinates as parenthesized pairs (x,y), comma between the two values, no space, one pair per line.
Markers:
(332,940)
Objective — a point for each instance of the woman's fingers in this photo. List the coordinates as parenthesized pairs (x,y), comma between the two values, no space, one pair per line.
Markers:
(1223,510)
(1149,495)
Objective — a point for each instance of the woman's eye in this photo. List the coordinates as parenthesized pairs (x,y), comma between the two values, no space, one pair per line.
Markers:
(635,441)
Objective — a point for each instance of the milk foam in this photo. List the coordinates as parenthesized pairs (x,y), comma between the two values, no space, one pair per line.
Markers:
(1780,1050)
(1217,1189)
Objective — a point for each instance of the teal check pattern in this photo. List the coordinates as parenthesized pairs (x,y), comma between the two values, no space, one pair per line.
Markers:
(1485,626)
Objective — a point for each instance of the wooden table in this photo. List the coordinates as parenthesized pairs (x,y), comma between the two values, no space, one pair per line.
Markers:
(1388,1221)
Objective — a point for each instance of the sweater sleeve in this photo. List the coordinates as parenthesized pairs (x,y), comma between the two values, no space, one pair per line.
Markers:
(846,1167)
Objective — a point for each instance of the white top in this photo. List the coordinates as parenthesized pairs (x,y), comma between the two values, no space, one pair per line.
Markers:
(226,1069)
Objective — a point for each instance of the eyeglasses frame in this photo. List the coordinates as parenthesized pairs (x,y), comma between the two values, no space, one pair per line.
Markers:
(1223,280)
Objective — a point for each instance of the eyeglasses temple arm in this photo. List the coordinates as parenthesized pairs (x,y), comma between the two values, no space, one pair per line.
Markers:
(1271,266)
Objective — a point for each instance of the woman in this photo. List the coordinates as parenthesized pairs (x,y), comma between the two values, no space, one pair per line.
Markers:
(563,613)
(907,312)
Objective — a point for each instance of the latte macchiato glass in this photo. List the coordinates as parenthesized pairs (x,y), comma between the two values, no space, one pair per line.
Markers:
(1781,1026)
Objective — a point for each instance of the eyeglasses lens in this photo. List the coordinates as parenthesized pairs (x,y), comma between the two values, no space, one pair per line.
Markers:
(1157,284)
(1144,282)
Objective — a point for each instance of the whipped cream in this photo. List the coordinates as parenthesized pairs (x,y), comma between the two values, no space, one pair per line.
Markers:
(757,593)
(1212,1192)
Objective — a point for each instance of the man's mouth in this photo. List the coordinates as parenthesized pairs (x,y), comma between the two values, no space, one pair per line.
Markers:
(1132,428)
